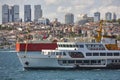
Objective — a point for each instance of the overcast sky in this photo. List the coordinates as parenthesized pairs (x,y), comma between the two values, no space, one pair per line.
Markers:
(57,8)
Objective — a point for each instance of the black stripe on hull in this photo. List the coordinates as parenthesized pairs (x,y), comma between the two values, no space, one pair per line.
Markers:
(74,68)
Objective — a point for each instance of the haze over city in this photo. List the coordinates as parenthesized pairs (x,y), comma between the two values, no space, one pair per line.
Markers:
(57,8)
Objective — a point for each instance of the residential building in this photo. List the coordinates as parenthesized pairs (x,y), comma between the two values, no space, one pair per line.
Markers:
(108,16)
(69,18)
(96,16)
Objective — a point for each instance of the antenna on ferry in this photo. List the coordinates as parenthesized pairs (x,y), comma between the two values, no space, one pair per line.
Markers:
(26,45)
(99,36)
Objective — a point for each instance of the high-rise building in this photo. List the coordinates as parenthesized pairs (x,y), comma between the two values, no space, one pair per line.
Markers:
(10,13)
(15,13)
(96,16)
(5,13)
(108,16)
(114,16)
(37,12)
(27,13)
(69,18)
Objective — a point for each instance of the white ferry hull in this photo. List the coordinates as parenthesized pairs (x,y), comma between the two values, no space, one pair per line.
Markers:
(34,60)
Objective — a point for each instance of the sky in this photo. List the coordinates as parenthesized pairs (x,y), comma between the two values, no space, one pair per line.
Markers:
(58,8)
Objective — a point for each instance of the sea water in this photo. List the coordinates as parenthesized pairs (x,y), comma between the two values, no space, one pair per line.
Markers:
(11,69)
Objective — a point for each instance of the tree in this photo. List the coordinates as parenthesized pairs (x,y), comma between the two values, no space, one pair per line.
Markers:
(118,20)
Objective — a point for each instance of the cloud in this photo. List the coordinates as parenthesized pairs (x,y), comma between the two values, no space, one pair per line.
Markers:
(62,9)
(51,16)
(49,2)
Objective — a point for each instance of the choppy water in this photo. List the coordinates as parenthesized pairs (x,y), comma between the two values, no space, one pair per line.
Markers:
(11,69)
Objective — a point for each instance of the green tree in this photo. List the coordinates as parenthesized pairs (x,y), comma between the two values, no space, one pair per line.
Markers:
(118,20)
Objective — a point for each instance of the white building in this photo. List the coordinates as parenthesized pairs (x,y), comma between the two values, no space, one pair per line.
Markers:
(43,21)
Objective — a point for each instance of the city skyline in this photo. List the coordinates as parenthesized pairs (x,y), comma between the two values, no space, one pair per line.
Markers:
(58,8)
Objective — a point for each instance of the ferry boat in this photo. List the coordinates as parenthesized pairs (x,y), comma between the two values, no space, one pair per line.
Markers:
(71,55)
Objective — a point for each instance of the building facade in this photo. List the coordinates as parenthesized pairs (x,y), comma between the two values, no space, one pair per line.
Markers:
(5,13)
(114,16)
(37,12)
(10,13)
(96,16)
(108,16)
(27,13)
(16,13)
(69,18)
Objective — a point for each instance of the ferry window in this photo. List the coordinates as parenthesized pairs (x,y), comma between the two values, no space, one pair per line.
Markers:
(64,61)
(64,53)
(88,54)
(49,53)
(54,53)
(60,53)
(116,54)
(93,61)
(63,45)
(112,60)
(81,46)
(70,45)
(78,61)
(71,61)
(67,45)
(95,54)
(59,45)
(77,45)
(99,61)
(102,54)
(57,53)
(86,61)
(109,54)
(74,46)
(115,60)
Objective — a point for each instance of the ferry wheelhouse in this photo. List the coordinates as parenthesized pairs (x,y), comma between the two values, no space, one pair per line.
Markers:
(70,55)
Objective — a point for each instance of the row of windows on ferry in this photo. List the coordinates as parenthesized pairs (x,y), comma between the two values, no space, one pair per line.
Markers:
(89,46)
(56,53)
(103,54)
(88,61)
(95,46)
(71,45)
(80,61)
